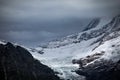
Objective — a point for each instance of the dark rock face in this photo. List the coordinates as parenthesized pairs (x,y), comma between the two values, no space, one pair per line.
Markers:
(101,70)
(92,24)
(83,61)
(16,63)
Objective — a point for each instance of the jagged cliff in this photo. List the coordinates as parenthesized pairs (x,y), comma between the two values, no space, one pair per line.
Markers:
(101,70)
(16,63)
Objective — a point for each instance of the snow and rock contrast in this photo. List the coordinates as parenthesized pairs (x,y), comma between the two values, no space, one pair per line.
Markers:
(93,54)
(103,64)
(16,63)
(98,41)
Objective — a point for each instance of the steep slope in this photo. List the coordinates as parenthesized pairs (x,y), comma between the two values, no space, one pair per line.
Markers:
(92,24)
(16,63)
(88,33)
(59,54)
(103,64)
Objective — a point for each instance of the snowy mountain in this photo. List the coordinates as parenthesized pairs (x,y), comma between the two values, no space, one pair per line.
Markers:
(103,63)
(99,36)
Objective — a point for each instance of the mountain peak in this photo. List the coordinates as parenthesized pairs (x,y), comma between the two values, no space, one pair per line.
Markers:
(100,36)
(92,24)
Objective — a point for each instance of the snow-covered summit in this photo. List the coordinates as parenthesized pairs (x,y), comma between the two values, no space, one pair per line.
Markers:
(94,29)
(99,37)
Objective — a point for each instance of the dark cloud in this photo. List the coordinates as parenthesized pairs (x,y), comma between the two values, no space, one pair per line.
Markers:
(30,33)
(32,22)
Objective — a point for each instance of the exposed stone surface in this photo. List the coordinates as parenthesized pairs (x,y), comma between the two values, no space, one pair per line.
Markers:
(101,70)
(83,61)
(16,63)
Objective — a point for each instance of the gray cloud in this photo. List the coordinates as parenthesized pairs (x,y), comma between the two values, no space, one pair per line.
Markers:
(36,33)
(32,22)
(46,9)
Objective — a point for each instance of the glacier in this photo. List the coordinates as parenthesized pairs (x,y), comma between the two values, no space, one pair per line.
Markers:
(59,54)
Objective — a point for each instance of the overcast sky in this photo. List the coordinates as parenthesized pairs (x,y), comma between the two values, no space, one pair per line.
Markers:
(32,22)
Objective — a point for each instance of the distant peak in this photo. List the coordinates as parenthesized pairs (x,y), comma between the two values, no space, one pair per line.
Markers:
(92,24)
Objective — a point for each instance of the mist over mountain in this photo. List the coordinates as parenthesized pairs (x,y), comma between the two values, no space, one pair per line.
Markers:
(92,54)
(30,22)
(60,39)
(85,53)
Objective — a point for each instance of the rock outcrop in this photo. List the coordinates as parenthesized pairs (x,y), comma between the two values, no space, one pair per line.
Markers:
(16,63)
(94,68)
(84,61)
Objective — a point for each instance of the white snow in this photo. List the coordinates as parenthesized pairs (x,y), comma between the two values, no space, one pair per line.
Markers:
(1,42)
(111,48)
(60,58)
(103,22)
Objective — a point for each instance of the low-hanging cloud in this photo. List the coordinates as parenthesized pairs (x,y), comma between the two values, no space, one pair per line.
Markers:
(35,21)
